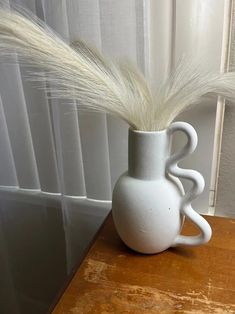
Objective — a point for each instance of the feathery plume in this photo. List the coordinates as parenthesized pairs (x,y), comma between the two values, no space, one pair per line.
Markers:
(98,83)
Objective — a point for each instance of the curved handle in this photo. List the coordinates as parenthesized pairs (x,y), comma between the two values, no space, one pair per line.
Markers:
(197,188)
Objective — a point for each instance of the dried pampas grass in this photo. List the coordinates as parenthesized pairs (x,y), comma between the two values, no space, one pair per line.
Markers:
(97,83)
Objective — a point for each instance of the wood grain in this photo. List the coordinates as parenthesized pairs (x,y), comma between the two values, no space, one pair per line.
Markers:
(113,279)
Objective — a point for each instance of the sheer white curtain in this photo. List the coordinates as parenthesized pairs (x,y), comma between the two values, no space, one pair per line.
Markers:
(49,147)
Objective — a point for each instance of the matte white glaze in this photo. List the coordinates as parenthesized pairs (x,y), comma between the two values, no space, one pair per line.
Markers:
(149,202)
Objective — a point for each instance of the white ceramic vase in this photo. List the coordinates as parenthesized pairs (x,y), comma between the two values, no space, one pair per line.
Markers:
(149,202)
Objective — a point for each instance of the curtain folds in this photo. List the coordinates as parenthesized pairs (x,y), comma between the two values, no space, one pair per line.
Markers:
(48,145)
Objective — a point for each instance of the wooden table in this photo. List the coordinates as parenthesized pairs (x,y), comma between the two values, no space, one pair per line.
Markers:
(113,279)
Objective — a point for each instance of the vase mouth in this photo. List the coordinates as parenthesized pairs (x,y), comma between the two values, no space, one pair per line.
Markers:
(147,132)
(147,153)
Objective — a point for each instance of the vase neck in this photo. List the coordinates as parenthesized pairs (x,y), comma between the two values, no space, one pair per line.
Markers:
(147,154)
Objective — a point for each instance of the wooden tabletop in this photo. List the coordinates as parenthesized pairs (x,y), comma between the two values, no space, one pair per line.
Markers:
(113,279)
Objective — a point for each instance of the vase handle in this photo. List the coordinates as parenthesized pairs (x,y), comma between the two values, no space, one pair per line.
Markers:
(197,188)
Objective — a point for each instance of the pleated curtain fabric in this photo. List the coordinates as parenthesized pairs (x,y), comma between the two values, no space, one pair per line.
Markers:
(48,145)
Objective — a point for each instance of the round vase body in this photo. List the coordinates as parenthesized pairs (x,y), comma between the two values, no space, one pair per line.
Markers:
(149,203)
(146,213)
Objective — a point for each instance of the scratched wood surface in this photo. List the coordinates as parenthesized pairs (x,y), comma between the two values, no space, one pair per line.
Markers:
(113,279)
